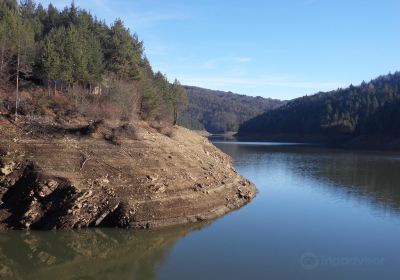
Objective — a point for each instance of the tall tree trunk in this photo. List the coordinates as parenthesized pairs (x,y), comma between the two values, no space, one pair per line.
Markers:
(75,95)
(141,104)
(175,116)
(17,93)
(3,50)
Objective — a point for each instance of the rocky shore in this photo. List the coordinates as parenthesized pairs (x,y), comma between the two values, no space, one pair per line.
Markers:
(98,174)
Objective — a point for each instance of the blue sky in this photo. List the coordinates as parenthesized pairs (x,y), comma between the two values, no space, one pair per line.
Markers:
(280,49)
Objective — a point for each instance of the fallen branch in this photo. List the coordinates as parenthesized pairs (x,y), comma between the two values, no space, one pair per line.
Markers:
(85,160)
(128,153)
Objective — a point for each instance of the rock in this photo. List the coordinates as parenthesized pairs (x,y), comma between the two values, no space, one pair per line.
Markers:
(137,184)
(105,181)
(198,187)
(152,177)
(48,188)
(8,168)
(244,194)
(161,189)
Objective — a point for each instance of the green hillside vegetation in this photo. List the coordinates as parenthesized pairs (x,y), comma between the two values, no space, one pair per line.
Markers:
(368,109)
(100,69)
(219,111)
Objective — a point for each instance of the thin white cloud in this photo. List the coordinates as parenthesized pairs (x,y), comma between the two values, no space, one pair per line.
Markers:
(271,81)
(155,17)
(225,62)
(243,59)
(211,63)
(157,50)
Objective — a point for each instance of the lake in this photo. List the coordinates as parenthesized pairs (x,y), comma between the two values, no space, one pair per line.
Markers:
(319,214)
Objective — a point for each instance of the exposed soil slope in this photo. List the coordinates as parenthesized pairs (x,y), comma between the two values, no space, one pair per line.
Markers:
(73,175)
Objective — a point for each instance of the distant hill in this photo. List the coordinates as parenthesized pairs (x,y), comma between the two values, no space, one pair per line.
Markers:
(370,109)
(219,111)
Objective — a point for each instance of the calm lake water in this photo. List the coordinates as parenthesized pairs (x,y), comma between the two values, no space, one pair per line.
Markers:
(319,214)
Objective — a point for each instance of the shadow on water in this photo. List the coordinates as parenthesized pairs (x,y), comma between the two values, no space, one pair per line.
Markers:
(87,254)
(370,176)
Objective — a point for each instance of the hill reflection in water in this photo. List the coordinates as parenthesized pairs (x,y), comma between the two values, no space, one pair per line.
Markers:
(87,254)
(370,176)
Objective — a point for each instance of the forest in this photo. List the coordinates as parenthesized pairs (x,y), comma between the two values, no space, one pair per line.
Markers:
(371,108)
(219,111)
(74,62)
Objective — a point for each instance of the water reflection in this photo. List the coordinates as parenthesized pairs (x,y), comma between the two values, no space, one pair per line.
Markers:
(311,200)
(362,175)
(87,254)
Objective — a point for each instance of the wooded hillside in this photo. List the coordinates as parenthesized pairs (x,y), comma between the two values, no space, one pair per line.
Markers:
(100,69)
(219,111)
(371,108)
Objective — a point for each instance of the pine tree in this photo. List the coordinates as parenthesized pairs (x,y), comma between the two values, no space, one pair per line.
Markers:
(51,20)
(50,62)
(10,4)
(95,65)
(70,48)
(77,51)
(150,104)
(8,22)
(180,99)
(23,42)
(124,52)
(28,12)
(4,38)
(166,94)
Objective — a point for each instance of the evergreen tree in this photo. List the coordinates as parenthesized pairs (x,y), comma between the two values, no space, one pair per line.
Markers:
(29,13)
(23,44)
(150,105)
(180,99)
(52,19)
(4,39)
(95,65)
(70,48)
(10,4)
(124,52)
(163,87)
(348,112)
(51,61)
(8,22)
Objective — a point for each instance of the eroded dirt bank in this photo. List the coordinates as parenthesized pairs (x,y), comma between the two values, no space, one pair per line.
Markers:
(116,175)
